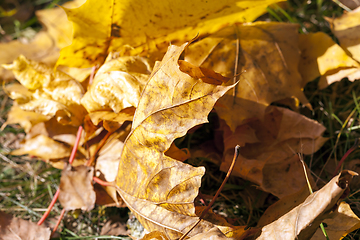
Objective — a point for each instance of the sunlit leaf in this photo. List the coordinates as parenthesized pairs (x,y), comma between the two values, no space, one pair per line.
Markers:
(158,189)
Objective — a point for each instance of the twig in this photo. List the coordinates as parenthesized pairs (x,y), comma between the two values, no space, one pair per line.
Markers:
(236,154)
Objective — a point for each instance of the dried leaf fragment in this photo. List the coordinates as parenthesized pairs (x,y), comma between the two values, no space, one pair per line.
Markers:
(15,228)
(76,189)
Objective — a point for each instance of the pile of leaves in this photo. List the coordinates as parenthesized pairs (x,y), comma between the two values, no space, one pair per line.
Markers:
(131,77)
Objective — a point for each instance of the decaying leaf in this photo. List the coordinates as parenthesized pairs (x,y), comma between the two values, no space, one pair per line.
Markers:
(14,228)
(123,25)
(265,55)
(280,135)
(158,189)
(76,189)
(302,221)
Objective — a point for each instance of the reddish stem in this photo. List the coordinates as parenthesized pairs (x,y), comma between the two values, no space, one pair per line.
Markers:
(59,220)
(103,183)
(73,152)
(71,159)
(101,144)
(48,210)
(355,146)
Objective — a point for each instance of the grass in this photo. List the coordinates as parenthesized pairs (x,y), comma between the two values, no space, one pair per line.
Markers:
(27,185)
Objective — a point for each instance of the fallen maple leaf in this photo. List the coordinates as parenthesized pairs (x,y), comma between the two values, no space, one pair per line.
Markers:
(264,54)
(302,221)
(123,25)
(158,189)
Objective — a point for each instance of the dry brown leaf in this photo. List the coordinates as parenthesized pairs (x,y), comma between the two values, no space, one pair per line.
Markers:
(76,189)
(12,228)
(302,221)
(267,57)
(117,84)
(158,189)
(280,135)
(115,226)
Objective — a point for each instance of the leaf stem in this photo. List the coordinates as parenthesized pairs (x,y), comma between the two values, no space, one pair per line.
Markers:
(236,155)
(91,161)
(59,220)
(77,141)
(48,210)
(103,183)
(355,146)
(71,159)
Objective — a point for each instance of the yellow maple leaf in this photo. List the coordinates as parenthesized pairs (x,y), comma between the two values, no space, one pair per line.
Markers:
(137,26)
(158,189)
